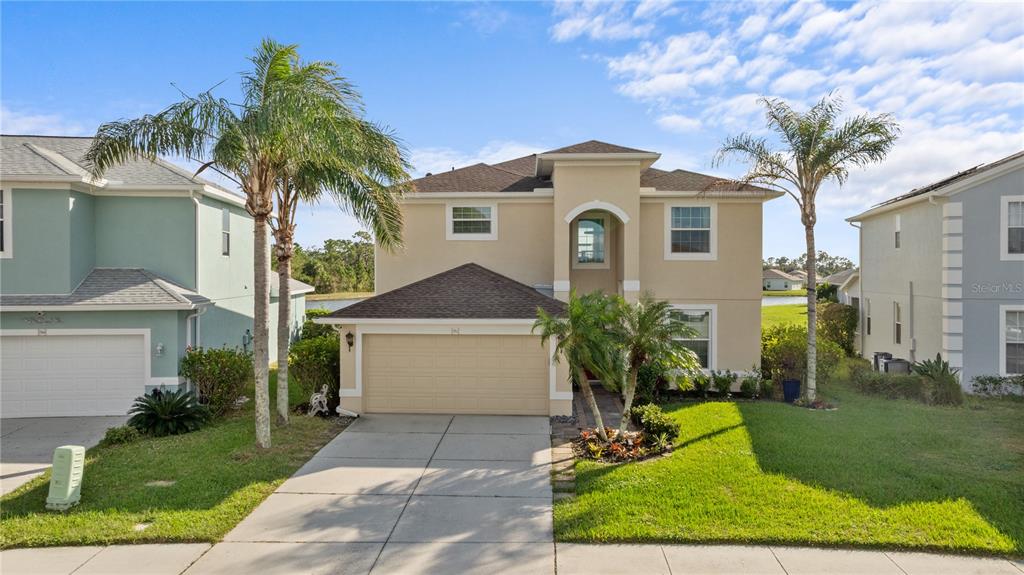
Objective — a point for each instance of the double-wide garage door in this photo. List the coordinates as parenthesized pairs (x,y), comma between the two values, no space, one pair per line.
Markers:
(486,374)
(70,375)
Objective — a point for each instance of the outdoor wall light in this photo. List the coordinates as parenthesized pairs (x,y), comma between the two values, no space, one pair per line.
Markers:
(350,340)
(159,350)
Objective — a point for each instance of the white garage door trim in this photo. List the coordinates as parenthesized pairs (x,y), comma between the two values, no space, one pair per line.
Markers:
(445,327)
(45,332)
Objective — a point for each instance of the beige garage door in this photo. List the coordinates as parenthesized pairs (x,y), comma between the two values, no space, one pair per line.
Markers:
(487,374)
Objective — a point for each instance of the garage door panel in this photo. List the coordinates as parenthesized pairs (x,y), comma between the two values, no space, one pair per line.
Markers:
(455,374)
(66,375)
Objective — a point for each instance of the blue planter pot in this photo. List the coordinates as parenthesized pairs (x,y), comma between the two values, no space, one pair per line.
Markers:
(790,390)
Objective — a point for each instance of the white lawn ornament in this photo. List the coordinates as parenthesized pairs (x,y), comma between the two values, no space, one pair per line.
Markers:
(318,402)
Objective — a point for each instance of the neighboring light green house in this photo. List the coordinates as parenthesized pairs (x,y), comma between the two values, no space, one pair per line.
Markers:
(105,283)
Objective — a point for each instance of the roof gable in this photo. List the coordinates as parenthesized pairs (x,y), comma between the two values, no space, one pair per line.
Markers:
(596,147)
(469,291)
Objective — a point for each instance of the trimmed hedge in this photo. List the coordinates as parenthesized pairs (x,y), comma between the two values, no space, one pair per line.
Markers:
(784,354)
(218,375)
(315,362)
(655,422)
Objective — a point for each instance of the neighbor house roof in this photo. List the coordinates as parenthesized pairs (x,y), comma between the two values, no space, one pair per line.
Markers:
(945,185)
(469,291)
(63,157)
(777,274)
(521,175)
(121,288)
(839,278)
(294,286)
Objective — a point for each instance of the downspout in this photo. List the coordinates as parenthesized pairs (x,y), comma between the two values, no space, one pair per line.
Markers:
(860,284)
(195,200)
(337,330)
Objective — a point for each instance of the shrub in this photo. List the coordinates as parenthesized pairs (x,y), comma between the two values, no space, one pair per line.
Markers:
(838,323)
(826,292)
(654,421)
(168,413)
(312,330)
(998,386)
(722,382)
(316,362)
(218,376)
(651,383)
(120,435)
(700,383)
(750,385)
(942,381)
(784,354)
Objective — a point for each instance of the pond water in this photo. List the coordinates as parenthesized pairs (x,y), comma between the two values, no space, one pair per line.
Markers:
(331,304)
(768,301)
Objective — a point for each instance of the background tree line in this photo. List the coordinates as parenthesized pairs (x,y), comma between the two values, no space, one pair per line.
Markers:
(337,266)
(824,264)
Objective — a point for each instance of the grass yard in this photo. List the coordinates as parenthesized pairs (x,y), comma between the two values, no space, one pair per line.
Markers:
(339,295)
(875,473)
(772,315)
(220,477)
(784,293)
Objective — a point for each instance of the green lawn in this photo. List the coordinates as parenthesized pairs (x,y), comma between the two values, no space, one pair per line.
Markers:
(339,295)
(875,473)
(773,315)
(784,293)
(220,477)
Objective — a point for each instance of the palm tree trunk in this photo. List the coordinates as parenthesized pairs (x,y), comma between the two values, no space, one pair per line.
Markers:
(812,314)
(627,403)
(261,329)
(588,396)
(284,334)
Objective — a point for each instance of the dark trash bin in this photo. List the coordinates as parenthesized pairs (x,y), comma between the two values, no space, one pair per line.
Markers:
(790,390)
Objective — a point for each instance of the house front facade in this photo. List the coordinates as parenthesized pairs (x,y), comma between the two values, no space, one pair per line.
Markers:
(942,272)
(777,280)
(592,216)
(105,283)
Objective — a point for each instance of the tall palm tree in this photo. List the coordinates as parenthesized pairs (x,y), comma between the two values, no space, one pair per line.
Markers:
(252,141)
(363,169)
(649,331)
(816,148)
(584,337)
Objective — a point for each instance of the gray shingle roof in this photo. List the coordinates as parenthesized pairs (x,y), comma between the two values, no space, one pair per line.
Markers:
(981,168)
(294,285)
(839,278)
(26,156)
(125,287)
(686,181)
(469,291)
(478,178)
(596,147)
(773,273)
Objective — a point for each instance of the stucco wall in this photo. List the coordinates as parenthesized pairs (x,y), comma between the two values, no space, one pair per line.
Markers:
(82,236)
(887,274)
(153,233)
(40,243)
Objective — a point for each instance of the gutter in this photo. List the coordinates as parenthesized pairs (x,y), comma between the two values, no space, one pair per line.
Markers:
(860,287)
(195,201)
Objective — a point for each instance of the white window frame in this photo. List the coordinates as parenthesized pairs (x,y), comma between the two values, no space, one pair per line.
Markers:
(897,323)
(449,221)
(605,221)
(713,326)
(1002,336)
(1004,229)
(8,210)
(713,240)
(897,235)
(225,232)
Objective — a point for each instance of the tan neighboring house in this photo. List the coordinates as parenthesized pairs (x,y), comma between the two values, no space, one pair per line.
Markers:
(773,279)
(486,245)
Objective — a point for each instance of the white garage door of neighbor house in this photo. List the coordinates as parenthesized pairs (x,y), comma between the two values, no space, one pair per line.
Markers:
(485,374)
(70,375)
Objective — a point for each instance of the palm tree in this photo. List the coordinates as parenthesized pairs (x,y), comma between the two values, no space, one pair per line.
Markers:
(649,331)
(355,162)
(584,337)
(816,149)
(252,142)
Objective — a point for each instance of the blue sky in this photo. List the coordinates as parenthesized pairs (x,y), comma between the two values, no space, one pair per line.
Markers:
(467,82)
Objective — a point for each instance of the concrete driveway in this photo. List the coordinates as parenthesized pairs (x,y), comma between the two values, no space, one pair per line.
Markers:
(27,444)
(407,494)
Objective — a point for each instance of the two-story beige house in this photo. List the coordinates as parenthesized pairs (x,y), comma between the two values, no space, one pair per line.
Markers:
(486,245)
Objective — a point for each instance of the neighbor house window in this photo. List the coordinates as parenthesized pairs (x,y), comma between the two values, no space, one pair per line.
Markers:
(1012,336)
(5,224)
(701,342)
(897,322)
(867,316)
(896,240)
(472,222)
(225,232)
(1012,230)
(690,232)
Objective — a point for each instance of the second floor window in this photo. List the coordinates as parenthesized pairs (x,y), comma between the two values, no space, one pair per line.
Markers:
(690,233)
(590,240)
(225,232)
(1013,342)
(1015,227)
(472,222)
(897,322)
(699,320)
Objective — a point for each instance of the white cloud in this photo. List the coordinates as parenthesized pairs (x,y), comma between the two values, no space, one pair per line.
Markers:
(602,21)
(485,18)
(678,123)
(753,26)
(440,159)
(25,122)
(798,81)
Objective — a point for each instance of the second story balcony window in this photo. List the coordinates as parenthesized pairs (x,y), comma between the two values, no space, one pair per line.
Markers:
(591,235)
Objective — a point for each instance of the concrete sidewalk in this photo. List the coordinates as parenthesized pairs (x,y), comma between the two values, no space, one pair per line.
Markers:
(572,559)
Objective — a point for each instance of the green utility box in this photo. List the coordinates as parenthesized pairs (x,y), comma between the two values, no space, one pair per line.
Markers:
(66,477)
